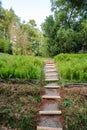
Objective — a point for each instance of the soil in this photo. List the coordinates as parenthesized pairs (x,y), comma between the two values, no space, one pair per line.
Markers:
(14,94)
(18,101)
(79,90)
(73,93)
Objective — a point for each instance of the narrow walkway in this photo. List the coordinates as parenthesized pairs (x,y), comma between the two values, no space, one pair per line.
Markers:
(49,111)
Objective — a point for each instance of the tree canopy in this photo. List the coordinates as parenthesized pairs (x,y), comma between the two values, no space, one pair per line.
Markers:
(18,37)
(65,30)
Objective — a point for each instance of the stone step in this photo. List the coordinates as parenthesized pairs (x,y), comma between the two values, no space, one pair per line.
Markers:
(51,74)
(50,97)
(47,128)
(50,66)
(49,62)
(50,112)
(51,92)
(51,79)
(52,87)
(51,70)
(50,121)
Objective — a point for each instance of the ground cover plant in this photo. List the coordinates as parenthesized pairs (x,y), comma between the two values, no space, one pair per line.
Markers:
(20,93)
(22,67)
(72,67)
(74,108)
(19,105)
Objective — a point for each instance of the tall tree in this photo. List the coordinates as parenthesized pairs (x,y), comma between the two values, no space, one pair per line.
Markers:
(63,35)
(1,9)
(32,23)
(16,37)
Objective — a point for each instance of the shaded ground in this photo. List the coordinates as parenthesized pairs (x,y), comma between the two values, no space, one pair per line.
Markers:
(19,104)
(74,107)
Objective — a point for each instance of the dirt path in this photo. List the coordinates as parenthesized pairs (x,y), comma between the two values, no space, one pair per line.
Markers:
(49,111)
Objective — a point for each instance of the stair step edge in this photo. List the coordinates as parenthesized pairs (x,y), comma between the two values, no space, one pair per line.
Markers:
(47,128)
(51,79)
(52,87)
(51,97)
(50,112)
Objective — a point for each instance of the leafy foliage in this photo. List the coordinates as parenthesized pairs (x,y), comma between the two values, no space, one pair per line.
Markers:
(65,34)
(72,67)
(22,38)
(23,67)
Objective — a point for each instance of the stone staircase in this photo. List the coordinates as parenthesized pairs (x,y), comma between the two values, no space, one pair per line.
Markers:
(49,111)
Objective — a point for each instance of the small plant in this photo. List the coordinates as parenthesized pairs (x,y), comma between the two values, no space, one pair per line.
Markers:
(38,98)
(67,102)
(27,123)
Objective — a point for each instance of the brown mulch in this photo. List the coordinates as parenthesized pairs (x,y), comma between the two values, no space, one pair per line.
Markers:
(80,92)
(19,100)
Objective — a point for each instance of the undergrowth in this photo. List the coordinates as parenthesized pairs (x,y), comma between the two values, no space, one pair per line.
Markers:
(22,67)
(19,105)
(74,108)
(72,67)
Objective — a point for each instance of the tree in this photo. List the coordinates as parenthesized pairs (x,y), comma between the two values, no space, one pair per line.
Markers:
(63,35)
(83,35)
(1,10)
(4,39)
(48,31)
(16,37)
(32,23)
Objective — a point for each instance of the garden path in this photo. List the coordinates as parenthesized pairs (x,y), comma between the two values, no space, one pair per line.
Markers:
(49,111)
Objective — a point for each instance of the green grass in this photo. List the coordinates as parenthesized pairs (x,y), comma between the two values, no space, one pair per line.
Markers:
(22,67)
(20,102)
(72,67)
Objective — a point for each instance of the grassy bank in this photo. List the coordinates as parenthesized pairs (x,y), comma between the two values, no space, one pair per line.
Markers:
(23,67)
(19,101)
(72,67)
